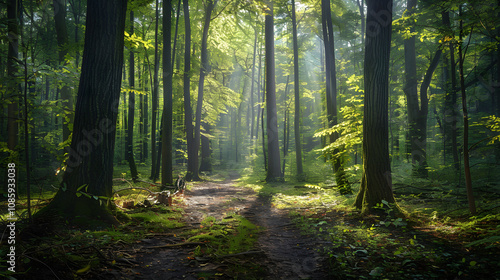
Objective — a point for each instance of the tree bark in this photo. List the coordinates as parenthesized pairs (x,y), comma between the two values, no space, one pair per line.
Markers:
(154,101)
(468,178)
(204,70)
(273,169)
(188,119)
(376,183)
(331,94)
(296,124)
(206,151)
(131,108)
(12,68)
(89,168)
(63,45)
(166,170)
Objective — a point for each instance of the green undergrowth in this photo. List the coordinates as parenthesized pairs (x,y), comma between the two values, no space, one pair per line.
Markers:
(434,237)
(234,234)
(227,241)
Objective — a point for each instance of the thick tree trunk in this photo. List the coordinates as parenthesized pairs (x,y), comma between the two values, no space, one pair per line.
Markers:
(131,108)
(166,168)
(89,168)
(273,169)
(296,125)
(376,183)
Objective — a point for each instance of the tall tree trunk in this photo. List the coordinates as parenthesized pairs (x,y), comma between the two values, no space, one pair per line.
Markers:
(131,108)
(286,126)
(468,179)
(421,122)
(63,45)
(204,70)
(296,124)
(12,68)
(206,151)
(89,168)
(361,9)
(411,93)
(154,101)
(273,169)
(188,119)
(166,170)
(451,112)
(331,95)
(376,183)
(252,85)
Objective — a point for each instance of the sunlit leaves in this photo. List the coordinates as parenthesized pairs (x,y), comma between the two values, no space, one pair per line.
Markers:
(135,41)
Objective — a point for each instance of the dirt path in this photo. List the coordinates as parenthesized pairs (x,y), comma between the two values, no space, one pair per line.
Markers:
(286,254)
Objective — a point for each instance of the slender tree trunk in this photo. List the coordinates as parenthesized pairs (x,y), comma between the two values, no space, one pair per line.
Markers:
(274,169)
(252,105)
(154,101)
(206,151)
(421,122)
(331,95)
(411,93)
(63,45)
(87,182)
(376,183)
(204,70)
(188,119)
(166,170)
(361,9)
(296,125)
(131,108)
(468,179)
(258,93)
(12,68)
(286,125)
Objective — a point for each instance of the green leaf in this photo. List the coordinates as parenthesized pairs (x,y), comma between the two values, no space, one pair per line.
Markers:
(81,187)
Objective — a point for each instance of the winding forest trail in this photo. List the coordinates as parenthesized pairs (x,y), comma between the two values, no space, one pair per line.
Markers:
(281,252)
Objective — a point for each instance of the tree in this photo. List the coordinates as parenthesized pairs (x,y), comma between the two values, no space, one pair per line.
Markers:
(298,145)
(166,168)
(461,58)
(204,69)
(154,101)
(63,45)
(12,68)
(273,167)
(331,94)
(131,108)
(188,119)
(376,183)
(417,115)
(87,182)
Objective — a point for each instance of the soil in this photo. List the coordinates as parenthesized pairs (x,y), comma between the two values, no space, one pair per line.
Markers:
(281,251)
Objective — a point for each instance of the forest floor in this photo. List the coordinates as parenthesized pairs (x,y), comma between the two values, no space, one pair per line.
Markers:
(279,250)
(232,227)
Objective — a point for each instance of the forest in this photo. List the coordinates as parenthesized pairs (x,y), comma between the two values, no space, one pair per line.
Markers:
(236,139)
